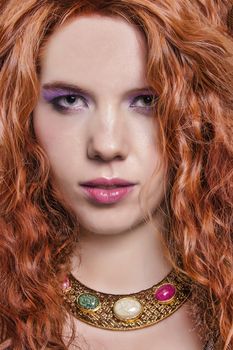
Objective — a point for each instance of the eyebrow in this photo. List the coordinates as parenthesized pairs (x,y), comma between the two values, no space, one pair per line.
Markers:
(61,85)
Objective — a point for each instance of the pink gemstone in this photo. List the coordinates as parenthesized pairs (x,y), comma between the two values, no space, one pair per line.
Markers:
(165,292)
(66,283)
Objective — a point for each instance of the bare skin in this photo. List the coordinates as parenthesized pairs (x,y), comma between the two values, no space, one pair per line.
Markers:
(107,136)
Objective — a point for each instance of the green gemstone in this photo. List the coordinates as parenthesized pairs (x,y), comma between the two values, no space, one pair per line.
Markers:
(88,301)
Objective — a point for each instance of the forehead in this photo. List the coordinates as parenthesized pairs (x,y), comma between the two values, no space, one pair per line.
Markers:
(95,47)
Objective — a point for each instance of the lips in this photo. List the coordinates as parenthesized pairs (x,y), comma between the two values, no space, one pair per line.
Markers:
(104,182)
(106,191)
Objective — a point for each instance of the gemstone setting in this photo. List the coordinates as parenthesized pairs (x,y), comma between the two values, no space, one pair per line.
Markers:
(127,309)
(88,302)
(165,293)
(66,284)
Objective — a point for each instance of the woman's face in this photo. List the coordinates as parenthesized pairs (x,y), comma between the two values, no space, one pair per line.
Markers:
(94,120)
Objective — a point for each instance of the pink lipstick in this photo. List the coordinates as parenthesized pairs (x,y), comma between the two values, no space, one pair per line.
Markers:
(107,191)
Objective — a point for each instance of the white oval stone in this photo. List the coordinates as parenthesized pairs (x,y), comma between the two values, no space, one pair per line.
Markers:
(127,308)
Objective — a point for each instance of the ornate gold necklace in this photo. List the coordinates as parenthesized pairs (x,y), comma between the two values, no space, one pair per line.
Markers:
(123,312)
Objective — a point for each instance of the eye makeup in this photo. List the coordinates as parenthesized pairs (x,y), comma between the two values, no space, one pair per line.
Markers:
(64,99)
(149,101)
(60,89)
(51,94)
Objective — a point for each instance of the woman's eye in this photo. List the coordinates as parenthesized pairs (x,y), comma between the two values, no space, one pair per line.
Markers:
(72,102)
(144,101)
(68,102)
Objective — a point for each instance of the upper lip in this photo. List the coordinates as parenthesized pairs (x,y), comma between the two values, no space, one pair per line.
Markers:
(102,181)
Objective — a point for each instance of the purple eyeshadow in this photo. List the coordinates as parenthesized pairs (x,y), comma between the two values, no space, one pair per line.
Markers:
(50,94)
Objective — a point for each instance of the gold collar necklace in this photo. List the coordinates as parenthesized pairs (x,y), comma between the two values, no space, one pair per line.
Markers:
(123,312)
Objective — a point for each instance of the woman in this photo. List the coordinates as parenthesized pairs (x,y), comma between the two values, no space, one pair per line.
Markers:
(116,161)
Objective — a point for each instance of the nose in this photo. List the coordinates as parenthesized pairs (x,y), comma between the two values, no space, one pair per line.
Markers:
(107,137)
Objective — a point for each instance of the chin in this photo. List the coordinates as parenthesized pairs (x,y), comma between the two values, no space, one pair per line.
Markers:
(109,227)
(109,221)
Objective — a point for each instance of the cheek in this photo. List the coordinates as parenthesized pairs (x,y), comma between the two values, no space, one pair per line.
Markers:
(51,138)
(45,127)
(149,146)
(153,164)
(53,134)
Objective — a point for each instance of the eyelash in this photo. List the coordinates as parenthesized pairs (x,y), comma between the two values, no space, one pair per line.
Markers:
(56,102)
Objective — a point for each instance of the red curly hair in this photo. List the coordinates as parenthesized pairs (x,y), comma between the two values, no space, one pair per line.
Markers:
(191,69)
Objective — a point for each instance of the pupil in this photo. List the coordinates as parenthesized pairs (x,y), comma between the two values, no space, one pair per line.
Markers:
(71,99)
(148,99)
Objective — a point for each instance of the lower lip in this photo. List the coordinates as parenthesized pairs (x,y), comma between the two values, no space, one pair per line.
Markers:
(107,196)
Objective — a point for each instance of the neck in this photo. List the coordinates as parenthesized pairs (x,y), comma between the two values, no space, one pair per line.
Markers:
(121,263)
